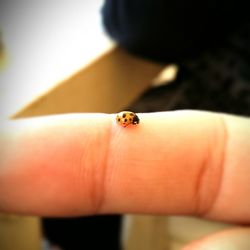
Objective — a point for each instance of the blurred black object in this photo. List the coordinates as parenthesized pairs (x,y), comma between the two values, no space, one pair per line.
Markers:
(90,232)
(208,40)
(218,81)
(172,31)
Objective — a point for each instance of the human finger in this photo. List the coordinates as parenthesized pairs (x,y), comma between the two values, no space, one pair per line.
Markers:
(183,162)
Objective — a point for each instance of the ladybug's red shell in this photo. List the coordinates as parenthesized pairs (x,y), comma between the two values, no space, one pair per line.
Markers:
(126,118)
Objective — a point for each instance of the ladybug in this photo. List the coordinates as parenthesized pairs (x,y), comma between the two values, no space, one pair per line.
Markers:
(126,118)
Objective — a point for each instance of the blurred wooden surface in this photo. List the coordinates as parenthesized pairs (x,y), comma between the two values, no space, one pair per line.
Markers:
(19,233)
(107,85)
(165,232)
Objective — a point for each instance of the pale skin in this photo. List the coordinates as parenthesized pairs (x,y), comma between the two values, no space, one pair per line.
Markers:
(183,162)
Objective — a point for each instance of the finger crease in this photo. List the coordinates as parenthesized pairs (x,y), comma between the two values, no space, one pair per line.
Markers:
(101,201)
(206,210)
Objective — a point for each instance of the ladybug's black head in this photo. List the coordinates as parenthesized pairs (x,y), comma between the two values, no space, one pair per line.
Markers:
(136,120)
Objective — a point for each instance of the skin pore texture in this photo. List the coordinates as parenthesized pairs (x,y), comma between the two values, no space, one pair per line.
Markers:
(181,162)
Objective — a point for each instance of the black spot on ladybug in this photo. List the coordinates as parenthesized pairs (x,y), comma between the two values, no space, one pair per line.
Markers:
(130,119)
(131,114)
(125,120)
(124,115)
(119,119)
